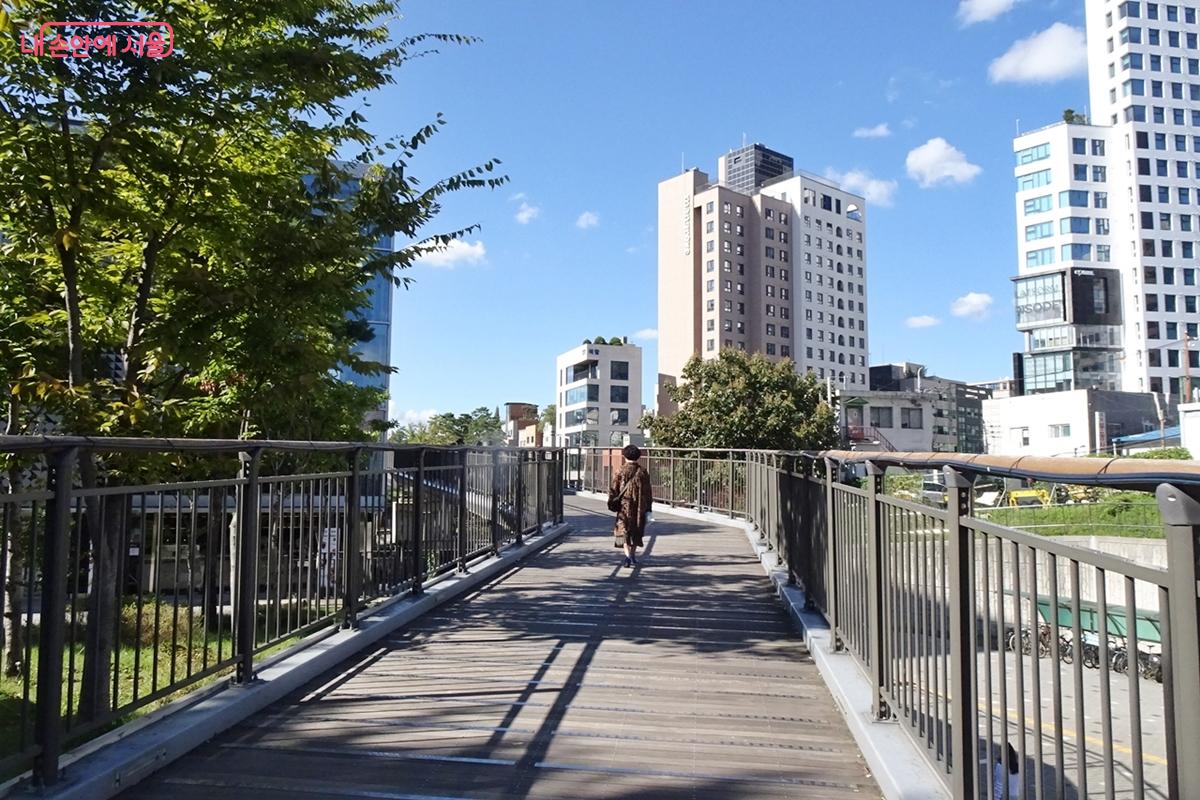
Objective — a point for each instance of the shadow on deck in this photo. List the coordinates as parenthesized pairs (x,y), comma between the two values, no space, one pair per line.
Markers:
(567,677)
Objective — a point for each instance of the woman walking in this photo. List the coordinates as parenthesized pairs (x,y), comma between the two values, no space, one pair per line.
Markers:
(630,496)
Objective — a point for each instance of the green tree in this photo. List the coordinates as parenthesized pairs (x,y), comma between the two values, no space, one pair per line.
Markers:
(480,426)
(599,340)
(180,251)
(742,401)
(549,415)
(1072,116)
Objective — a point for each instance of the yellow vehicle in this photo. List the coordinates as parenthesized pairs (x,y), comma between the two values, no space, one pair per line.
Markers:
(1028,497)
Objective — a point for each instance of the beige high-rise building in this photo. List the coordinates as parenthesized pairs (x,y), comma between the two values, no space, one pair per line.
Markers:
(775,266)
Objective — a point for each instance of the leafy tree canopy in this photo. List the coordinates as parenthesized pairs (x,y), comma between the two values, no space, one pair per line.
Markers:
(480,426)
(741,401)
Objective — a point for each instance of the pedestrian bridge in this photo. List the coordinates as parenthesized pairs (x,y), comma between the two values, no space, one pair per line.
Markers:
(796,628)
(566,677)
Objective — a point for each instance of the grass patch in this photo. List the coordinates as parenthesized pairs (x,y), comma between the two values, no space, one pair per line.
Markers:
(1129,514)
(142,669)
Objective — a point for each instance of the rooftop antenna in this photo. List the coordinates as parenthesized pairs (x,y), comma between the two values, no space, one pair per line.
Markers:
(1018,126)
(743,138)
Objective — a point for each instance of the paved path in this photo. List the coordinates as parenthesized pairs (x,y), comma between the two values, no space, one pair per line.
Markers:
(567,678)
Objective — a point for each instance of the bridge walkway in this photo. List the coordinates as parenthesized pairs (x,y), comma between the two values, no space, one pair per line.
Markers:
(569,677)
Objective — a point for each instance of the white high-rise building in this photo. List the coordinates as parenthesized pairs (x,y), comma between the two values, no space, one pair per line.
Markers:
(767,259)
(1107,214)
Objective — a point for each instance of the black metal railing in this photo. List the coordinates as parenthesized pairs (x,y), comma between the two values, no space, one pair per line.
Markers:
(132,571)
(978,636)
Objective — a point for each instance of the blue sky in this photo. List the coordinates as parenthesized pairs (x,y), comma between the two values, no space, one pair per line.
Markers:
(590,104)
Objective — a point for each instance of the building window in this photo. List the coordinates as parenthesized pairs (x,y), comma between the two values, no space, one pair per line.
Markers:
(770,349)
(620,371)
(620,416)
(710,346)
(911,418)
(1060,431)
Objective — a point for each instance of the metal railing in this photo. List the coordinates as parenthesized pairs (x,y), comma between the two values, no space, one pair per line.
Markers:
(977,636)
(132,571)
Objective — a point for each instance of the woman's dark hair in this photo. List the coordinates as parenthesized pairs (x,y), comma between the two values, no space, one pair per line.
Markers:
(631,452)
(1014,761)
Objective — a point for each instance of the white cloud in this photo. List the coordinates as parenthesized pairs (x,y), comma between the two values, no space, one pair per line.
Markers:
(972,11)
(875,191)
(455,253)
(1056,53)
(517,196)
(973,305)
(527,213)
(880,131)
(646,333)
(937,162)
(588,219)
(413,417)
(923,321)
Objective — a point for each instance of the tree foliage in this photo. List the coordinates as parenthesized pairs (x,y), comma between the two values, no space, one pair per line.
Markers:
(480,426)
(742,401)
(181,249)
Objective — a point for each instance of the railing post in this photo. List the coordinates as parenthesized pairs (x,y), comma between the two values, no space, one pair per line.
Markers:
(731,491)
(699,488)
(418,543)
(48,730)
(1181,675)
(539,487)
(495,521)
(520,527)
(963,702)
(353,548)
(791,530)
(561,457)
(805,531)
(671,482)
(462,511)
(875,580)
(247,596)
(831,560)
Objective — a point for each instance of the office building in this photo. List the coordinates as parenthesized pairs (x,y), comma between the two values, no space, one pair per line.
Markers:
(749,167)
(955,407)
(1072,423)
(599,395)
(377,314)
(1106,291)
(772,265)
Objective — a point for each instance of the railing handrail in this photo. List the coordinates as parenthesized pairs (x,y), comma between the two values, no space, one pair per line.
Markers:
(25,443)
(1140,474)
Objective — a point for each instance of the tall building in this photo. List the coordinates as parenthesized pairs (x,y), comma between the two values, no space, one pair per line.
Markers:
(1107,289)
(750,166)
(599,395)
(378,316)
(776,267)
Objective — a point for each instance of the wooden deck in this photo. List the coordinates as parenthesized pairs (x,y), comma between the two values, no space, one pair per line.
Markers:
(567,678)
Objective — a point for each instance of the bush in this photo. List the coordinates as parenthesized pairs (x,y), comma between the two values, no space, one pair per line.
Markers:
(1172,453)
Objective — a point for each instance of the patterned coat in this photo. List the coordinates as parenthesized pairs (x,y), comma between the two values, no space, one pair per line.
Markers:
(631,519)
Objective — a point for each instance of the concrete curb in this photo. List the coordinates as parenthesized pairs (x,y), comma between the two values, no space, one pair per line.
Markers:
(118,765)
(899,767)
